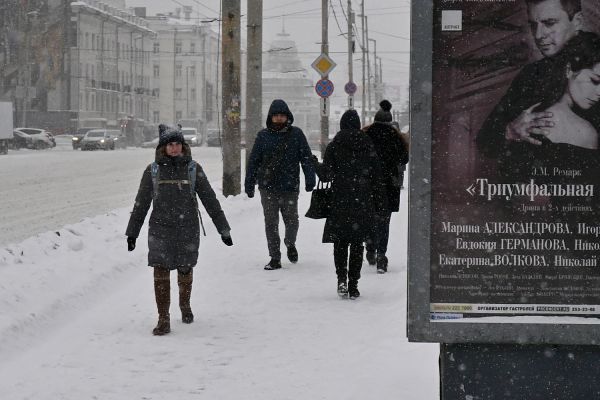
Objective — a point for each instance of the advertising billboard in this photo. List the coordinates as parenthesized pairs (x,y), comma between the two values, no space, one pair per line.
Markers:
(513,176)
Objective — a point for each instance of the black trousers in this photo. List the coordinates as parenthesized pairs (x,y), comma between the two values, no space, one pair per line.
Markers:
(381,237)
(348,268)
(287,204)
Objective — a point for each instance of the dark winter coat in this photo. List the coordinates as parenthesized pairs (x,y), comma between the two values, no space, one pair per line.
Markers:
(173,228)
(535,83)
(351,164)
(283,173)
(392,151)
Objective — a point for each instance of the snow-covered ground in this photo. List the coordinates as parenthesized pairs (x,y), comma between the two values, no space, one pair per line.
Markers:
(77,310)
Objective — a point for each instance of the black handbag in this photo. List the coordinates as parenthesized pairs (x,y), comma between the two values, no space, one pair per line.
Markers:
(320,201)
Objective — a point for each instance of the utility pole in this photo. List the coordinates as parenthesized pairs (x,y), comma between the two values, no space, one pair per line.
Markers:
(253,74)
(380,80)
(364,60)
(231,97)
(324,50)
(375,74)
(366,43)
(350,53)
(174,74)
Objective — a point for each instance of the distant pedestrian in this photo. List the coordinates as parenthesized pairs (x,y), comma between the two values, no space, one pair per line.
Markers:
(392,151)
(171,184)
(274,165)
(351,164)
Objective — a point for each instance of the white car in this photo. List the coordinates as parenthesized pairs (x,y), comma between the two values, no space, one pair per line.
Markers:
(192,137)
(99,139)
(33,138)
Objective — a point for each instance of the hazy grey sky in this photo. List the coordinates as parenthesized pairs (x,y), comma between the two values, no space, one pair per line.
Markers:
(388,22)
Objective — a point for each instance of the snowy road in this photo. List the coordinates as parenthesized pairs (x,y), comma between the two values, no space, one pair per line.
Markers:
(44,190)
(77,309)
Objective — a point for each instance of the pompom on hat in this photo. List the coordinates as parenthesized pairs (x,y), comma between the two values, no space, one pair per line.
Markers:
(166,135)
(384,115)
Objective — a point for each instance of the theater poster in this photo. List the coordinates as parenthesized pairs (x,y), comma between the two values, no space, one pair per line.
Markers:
(515,161)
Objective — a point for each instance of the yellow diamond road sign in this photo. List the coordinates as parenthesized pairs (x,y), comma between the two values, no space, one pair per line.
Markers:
(323,65)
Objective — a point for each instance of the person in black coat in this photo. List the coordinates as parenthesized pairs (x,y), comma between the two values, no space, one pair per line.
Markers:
(392,152)
(273,164)
(174,232)
(351,164)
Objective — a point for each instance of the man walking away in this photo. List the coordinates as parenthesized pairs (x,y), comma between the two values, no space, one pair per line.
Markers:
(274,165)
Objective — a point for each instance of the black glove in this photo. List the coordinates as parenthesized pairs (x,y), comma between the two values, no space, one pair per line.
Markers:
(250,193)
(315,160)
(227,240)
(309,188)
(130,243)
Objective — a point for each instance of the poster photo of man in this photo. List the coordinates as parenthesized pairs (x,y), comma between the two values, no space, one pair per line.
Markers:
(515,159)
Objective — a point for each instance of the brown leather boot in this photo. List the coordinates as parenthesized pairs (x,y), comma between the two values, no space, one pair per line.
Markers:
(162,293)
(185,292)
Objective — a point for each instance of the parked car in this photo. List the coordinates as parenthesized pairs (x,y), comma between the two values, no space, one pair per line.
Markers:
(99,139)
(151,144)
(192,137)
(32,138)
(213,137)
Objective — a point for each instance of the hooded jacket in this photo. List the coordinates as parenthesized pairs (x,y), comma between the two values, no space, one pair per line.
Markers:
(274,159)
(351,164)
(173,228)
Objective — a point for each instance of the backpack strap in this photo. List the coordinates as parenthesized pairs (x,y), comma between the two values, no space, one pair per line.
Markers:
(154,172)
(192,179)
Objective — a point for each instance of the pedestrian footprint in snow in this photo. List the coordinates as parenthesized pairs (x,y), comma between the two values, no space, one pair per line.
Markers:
(171,184)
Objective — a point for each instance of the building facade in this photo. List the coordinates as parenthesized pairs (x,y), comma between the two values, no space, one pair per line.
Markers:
(284,77)
(185,69)
(74,64)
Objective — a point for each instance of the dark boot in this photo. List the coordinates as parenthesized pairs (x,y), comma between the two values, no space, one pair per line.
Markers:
(354,267)
(185,292)
(382,263)
(340,259)
(162,293)
(292,253)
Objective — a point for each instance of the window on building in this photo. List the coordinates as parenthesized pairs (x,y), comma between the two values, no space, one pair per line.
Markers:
(93,41)
(192,70)
(156,117)
(178,70)
(193,95)
(192,47)
(156,71)
(178,47)
(156,48)
(178,93)
(178,115)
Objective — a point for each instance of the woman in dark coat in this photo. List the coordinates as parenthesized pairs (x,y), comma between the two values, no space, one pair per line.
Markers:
(173,228)
(392,151)
(351,164)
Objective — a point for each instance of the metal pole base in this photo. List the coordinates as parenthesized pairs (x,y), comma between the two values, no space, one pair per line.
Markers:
(500,371)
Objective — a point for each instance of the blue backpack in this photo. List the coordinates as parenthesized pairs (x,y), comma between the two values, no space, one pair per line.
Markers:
(191,181)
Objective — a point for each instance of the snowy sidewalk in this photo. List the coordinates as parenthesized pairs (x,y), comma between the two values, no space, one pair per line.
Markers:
(77,310)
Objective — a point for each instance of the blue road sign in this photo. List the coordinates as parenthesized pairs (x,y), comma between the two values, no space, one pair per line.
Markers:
(350,88)
(324,88)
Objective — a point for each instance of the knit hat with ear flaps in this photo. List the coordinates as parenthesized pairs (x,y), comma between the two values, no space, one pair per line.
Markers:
(384,114)
(167,135)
